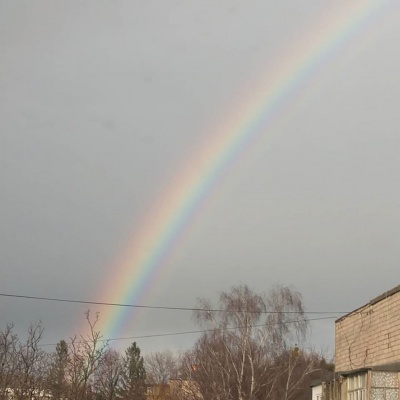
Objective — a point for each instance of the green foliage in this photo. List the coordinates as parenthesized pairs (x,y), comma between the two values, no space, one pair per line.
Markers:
(58,371)
(133,375)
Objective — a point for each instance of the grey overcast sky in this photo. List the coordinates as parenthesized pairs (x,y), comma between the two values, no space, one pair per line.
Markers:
(103,101)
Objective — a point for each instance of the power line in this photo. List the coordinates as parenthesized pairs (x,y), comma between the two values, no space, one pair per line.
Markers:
(210,330)
(101,303)
(195,332)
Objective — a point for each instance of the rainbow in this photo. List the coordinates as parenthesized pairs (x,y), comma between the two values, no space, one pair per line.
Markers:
(138,272)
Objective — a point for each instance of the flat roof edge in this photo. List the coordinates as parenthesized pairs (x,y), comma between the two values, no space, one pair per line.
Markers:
(375,300)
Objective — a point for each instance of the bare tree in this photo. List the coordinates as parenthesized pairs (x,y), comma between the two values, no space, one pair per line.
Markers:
(107,375)
(85,353)
(161,366)
(235,358)
(32,365)
(294,371)
(9,345)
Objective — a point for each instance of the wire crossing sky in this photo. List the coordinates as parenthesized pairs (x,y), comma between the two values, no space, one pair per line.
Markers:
(157,307)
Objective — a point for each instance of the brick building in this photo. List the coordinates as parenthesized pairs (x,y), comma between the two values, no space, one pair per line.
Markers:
(367,351)
(369,336)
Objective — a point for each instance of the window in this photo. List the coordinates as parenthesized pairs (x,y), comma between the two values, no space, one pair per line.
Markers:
(385,385)
(356,387)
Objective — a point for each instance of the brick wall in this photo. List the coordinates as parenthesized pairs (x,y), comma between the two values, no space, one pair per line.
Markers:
(370,335)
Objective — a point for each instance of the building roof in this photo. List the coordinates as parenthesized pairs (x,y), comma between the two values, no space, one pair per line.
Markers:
(377,299)
(316,382)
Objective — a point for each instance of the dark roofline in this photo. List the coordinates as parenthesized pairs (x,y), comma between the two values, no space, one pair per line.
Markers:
(316,382)
(385,295)
(391,367)
(353,371)
(377,299)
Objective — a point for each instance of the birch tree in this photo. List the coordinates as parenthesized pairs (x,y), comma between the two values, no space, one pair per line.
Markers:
(246,333)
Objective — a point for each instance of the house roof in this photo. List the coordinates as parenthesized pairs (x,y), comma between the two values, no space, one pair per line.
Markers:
(377,299)
(316,382)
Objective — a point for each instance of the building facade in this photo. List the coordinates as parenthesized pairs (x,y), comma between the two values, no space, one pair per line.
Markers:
(367,352)
(369,336)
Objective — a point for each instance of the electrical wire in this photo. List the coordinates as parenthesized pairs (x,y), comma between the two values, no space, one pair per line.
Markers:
(101,303)
(197,331)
